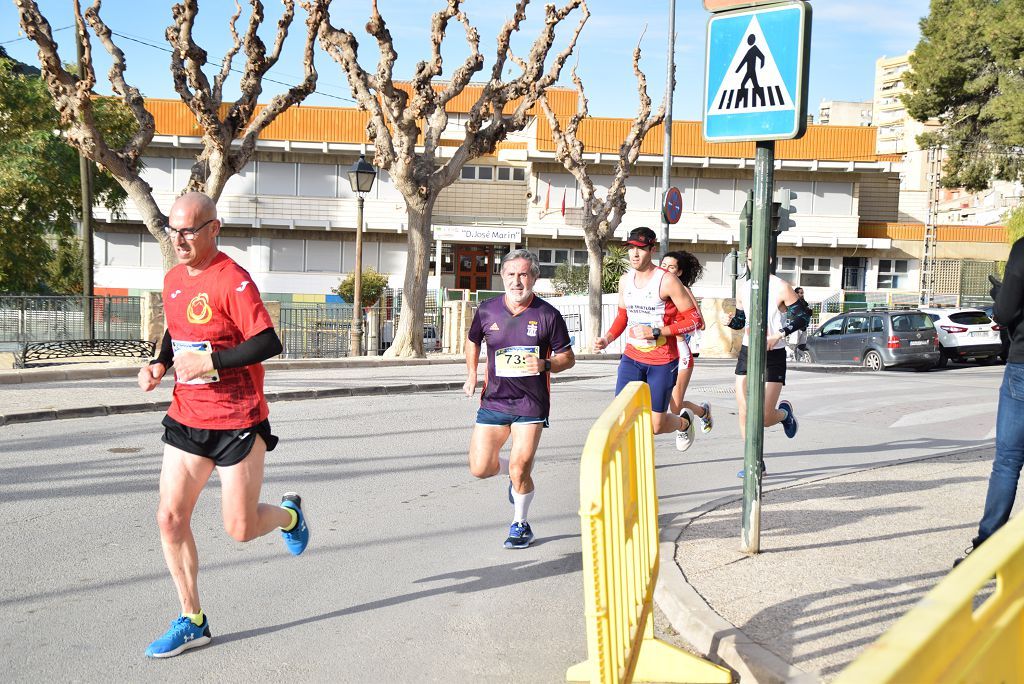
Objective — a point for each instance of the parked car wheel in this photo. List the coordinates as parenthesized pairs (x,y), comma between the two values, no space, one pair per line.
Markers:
(873,360)
(943,358)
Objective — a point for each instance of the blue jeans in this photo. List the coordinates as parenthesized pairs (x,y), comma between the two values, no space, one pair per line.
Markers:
(1002,485)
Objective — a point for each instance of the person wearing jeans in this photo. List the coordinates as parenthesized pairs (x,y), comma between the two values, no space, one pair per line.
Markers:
(1008,295)
(1002,485)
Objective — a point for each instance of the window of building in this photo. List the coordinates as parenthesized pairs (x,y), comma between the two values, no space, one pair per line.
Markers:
(275,178)
(235,247)
(391,257)
(509,173)
(287,255)
(718,194)
(892,274)
(123,249)
(499,253)
(151,255)
(323,256)
(447,258)
(815,272)
(243,182)
(551,258)
(159,173)
(833,199)
(484,173)
(787,269)
(318,180)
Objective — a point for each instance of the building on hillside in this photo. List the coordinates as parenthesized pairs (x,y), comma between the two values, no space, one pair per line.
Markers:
(290,216)
(897,133)
(840,113)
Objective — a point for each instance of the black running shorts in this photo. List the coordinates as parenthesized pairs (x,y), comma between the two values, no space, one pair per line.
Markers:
(775,365)
(223,447)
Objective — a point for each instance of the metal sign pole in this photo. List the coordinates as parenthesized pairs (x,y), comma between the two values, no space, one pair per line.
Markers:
(757,314)
(666,162)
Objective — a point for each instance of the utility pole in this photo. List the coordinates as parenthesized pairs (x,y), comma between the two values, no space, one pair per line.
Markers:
(928,249)
(85,172)
(666,162)
(757,316)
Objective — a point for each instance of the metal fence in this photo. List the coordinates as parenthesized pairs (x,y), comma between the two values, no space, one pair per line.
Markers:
(31,318)
(321,330)
(315,331)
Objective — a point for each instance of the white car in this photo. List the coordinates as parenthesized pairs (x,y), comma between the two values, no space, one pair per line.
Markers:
(965,334)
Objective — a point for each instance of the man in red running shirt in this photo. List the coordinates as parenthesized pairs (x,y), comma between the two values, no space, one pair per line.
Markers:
(218,334)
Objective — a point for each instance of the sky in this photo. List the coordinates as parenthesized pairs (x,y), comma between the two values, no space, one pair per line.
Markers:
(846,40)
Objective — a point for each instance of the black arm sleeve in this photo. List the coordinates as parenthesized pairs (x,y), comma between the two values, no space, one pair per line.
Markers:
(1010,299)
(797,317)
(166,355)
(257,348)
(739,320)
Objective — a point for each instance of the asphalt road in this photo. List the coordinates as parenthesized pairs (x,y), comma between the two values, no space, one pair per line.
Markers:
(405,578)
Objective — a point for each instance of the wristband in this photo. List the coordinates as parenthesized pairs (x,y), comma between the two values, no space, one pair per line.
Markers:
(547,365)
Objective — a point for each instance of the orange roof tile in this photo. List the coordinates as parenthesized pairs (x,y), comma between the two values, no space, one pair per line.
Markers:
(943,233)
(320,124)
(841,143)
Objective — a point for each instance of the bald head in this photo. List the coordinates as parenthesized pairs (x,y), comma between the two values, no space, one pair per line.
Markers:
(193,229)
(197,205)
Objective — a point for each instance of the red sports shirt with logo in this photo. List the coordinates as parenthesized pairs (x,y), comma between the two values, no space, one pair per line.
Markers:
(215,310)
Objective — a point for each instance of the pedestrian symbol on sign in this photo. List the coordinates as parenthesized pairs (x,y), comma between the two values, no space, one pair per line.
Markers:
(752,82)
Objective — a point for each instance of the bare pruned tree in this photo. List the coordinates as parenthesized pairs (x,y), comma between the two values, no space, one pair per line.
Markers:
(407,123)
(601,215)
(73,96)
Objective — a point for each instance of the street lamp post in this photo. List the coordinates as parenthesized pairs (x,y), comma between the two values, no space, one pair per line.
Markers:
(361,176)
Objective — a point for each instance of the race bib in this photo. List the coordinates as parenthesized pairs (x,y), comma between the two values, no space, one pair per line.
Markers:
(510,362)
(204,346)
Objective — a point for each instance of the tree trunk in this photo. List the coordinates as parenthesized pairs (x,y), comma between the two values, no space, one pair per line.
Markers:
(595,292)
(142,197)
(408,341)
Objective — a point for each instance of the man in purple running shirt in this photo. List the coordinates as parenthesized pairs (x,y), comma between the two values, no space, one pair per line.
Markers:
(526,341)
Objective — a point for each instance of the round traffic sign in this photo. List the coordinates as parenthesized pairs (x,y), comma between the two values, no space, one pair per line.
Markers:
(673,208)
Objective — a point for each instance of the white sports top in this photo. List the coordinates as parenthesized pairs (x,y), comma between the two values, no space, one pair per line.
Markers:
(774,327)
(644,306)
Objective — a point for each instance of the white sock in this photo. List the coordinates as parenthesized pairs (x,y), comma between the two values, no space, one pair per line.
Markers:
(522,504)
(502,465)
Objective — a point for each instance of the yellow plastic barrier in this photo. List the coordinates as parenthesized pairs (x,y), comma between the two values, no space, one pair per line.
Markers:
(619,516)
(943,639)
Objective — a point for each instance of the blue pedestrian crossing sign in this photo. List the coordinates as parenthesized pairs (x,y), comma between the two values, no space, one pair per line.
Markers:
(755,78)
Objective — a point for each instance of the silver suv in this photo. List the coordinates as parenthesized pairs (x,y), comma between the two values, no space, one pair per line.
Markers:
(876,339)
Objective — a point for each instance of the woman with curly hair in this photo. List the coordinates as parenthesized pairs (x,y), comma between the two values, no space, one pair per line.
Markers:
(687,268)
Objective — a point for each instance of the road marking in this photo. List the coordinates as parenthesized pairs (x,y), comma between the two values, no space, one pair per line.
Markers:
(946,414)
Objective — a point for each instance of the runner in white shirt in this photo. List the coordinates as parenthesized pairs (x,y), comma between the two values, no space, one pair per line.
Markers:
(787,313)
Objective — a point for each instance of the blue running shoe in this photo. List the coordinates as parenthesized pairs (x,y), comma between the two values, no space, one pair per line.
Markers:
(519,536)
(789,424)
(744,472)
(183,635)
(297,538)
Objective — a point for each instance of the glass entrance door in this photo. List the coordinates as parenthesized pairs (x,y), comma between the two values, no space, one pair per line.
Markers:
(472,267)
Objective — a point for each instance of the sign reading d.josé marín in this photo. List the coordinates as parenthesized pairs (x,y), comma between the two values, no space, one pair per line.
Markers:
(755,83)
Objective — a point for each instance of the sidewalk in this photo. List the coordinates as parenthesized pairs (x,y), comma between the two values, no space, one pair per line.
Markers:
(842,558)
(107,389)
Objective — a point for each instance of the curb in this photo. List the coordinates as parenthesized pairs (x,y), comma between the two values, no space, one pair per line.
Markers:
(716,638)
(102,371)
(284,395)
